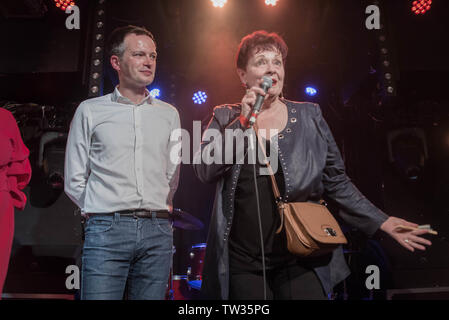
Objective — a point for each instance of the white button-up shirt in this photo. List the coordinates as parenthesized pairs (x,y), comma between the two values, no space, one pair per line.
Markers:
(118,155)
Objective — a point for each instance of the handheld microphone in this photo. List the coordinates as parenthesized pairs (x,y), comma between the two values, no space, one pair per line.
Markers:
(265,85)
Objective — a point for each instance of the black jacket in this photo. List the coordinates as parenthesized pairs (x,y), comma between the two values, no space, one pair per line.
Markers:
(312,166)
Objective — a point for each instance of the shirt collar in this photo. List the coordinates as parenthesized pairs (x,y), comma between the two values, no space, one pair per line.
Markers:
(117,97)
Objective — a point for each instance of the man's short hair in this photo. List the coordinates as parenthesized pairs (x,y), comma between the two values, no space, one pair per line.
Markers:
(259,40)
(116,40)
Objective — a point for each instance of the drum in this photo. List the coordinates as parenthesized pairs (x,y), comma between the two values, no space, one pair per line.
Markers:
(182,289)
(196,259)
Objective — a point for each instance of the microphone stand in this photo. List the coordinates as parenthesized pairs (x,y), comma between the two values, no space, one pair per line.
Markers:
(265,85)
(259,218)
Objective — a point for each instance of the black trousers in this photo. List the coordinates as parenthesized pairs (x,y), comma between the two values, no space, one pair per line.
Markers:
(292,282)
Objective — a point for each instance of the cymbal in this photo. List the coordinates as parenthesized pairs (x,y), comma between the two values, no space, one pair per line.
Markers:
(186,221)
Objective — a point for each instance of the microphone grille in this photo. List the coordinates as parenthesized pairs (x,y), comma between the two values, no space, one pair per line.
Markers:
(267,82)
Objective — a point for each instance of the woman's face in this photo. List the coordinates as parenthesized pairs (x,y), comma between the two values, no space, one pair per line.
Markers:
(264,63)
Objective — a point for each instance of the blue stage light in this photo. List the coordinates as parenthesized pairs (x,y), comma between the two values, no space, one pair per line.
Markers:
(199,97)
(155,93)
(311,91)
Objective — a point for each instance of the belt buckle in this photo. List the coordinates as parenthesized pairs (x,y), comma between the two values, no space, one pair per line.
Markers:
(134,215)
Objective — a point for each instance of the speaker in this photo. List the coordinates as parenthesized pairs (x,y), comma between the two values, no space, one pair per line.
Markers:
(418,196)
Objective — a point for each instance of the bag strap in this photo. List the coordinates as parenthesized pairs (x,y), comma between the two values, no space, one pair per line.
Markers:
(277,195)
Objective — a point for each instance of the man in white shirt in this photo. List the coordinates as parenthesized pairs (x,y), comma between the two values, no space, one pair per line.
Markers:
(118,170)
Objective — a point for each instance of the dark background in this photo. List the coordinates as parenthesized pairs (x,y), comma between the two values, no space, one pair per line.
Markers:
(43,63)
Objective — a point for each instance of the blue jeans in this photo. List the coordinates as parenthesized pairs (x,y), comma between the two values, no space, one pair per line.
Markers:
(122,250)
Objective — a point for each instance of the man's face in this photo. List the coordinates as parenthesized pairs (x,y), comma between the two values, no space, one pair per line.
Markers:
(137,67)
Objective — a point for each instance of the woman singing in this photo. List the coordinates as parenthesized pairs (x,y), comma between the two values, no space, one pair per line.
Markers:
(310,166)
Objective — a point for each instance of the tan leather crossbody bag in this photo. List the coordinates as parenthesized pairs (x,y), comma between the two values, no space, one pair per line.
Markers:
(310,228)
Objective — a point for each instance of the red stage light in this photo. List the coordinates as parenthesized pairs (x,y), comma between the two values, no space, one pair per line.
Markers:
(64,4)
(421,6)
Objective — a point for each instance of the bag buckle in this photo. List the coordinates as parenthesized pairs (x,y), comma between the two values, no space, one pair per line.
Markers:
(330,232)
(323,203)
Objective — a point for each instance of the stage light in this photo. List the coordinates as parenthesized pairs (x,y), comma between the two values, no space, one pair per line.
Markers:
(97,49)
(199,97)
(407,151)
(155,93)
(64,4)
(219,3)
(271,2)
(421,6)
(311,91)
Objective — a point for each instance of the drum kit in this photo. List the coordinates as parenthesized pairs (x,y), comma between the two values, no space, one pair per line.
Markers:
(187,287)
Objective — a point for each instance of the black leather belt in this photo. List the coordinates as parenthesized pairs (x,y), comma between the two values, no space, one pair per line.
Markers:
(135,214)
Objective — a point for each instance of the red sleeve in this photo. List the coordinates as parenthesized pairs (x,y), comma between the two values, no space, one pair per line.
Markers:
(19,169)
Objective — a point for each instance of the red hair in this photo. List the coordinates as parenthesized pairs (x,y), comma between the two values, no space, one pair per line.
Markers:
(259,40)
